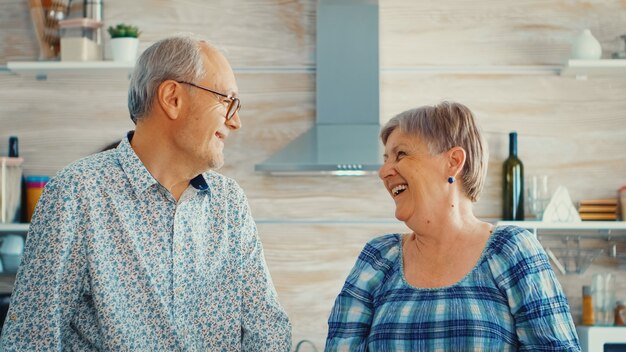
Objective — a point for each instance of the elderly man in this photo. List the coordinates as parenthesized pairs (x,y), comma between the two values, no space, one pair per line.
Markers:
(143,248)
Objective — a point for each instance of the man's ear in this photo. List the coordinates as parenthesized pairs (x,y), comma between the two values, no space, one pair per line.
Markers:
(456,160)
(170,98)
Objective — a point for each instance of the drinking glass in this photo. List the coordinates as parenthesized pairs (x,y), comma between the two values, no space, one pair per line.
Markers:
(538,195)
(603,297)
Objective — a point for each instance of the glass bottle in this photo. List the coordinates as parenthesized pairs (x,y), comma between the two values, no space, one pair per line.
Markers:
(587,306)
(620,313)
(513,183)
(14,148)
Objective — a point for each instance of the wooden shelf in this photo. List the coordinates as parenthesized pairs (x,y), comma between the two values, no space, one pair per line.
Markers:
(42,70)
(583,68)
(574,68)
(476,69)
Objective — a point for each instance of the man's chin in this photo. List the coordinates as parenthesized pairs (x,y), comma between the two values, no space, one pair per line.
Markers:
(216,164)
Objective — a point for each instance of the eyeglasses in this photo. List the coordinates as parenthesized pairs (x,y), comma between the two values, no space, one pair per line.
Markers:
(234,104)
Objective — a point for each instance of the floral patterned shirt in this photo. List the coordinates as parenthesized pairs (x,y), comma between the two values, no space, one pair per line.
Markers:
(114,263)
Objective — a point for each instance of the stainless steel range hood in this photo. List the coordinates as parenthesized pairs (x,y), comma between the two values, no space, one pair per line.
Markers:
(344,140)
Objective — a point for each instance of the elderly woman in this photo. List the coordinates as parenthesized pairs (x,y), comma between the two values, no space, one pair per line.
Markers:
(454,283)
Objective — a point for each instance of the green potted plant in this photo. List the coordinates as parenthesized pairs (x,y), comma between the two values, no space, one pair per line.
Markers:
(124,31)
(124,42)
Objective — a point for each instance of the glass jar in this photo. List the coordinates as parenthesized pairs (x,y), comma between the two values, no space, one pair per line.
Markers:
(79,41)
(620,313)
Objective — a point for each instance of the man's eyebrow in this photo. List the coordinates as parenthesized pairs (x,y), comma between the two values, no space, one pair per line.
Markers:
(232,92)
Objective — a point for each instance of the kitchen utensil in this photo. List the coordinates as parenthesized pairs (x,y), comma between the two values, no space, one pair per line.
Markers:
(572,260)
(45,18)
(10,188)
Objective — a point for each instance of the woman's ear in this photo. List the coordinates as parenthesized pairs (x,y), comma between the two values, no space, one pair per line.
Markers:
(456,160)
(169,97)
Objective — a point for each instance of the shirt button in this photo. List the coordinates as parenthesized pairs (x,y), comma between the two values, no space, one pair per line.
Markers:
(179,248)
(13,317)
(178,290)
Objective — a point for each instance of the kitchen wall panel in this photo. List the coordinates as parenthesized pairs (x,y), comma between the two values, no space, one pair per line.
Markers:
(492,32)
(313,227)
(309,262)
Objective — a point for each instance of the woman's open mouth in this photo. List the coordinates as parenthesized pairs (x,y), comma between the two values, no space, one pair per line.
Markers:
(398,189)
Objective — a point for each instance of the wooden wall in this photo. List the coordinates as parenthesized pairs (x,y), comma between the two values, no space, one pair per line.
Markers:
(313,227)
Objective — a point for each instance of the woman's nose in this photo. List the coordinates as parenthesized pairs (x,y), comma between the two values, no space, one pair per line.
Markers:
(386,170)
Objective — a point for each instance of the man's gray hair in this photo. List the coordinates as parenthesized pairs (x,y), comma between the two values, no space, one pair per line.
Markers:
(178,58)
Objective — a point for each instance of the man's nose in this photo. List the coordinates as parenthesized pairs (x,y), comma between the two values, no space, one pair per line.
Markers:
(234,123)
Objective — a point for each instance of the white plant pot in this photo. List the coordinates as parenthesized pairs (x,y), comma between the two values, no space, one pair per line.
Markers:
(124,49)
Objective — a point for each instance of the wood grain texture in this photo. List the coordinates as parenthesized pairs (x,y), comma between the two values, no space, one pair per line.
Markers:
(17,34)
(252,33)
(492,32)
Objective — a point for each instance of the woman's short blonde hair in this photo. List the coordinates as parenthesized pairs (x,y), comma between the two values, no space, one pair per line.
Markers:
(444,126)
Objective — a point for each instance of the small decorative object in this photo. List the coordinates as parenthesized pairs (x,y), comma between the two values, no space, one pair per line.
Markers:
(586,47)
(124,42)
(621,54)
(561,208)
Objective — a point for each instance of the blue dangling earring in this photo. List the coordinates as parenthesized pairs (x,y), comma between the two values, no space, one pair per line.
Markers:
(451,179)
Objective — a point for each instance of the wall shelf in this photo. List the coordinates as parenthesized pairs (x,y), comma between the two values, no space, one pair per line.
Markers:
(583,68)
(580,69)
(563,242)
(599,226)
(42,70)
(477,69)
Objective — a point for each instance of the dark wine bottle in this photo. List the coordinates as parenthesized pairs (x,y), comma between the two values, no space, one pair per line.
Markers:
(14,148)
(513,183)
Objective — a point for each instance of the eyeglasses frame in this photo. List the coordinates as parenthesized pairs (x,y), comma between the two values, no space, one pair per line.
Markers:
(230,112)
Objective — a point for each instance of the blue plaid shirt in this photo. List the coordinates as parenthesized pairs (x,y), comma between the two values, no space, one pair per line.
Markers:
(510,301)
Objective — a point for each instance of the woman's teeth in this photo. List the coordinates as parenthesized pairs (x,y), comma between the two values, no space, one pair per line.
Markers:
(398,189)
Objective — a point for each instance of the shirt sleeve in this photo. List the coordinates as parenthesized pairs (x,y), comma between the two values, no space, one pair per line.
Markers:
(351,316)
(536,300)
(49,278)
(265,323)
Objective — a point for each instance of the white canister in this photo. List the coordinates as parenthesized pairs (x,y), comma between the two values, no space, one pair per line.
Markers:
(79,40)
(586,47)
